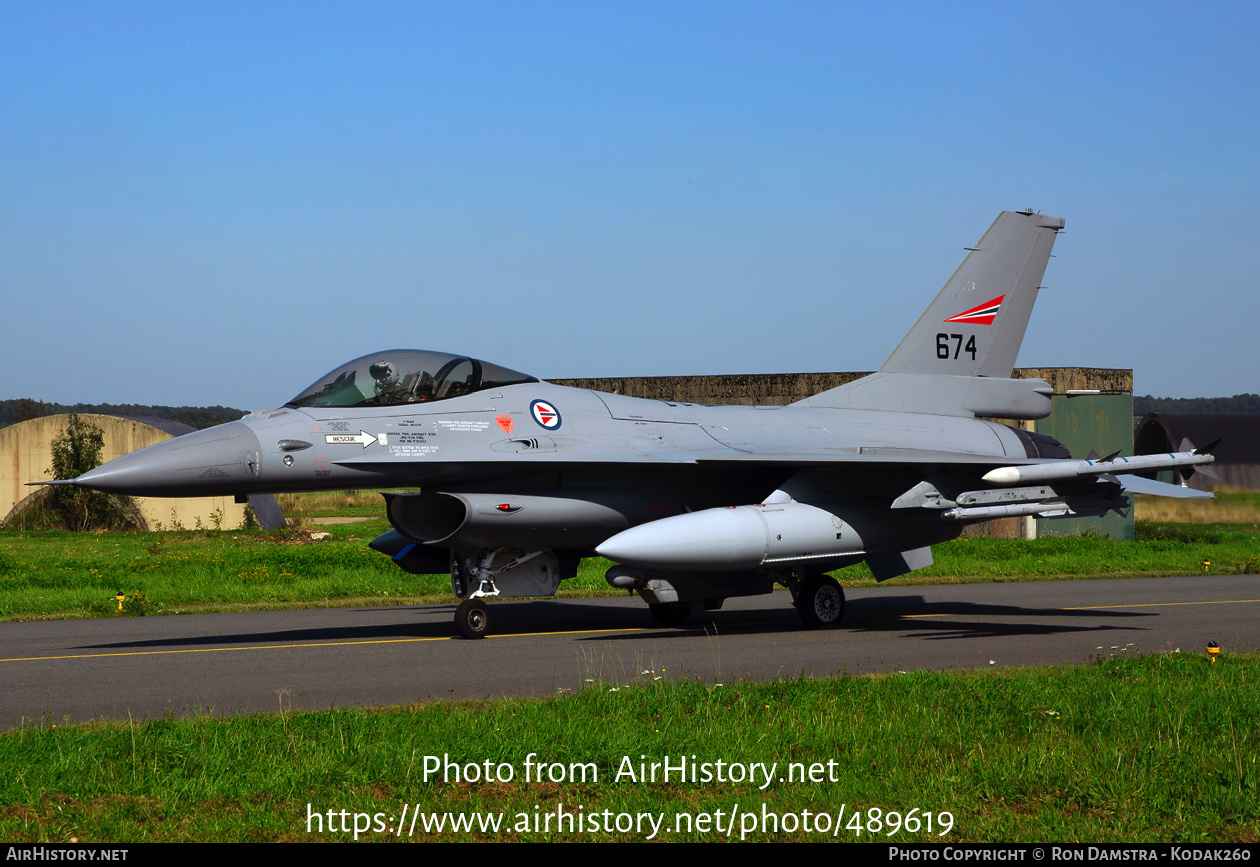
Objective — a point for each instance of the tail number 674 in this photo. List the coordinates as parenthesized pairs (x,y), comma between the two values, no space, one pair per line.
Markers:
(943,348)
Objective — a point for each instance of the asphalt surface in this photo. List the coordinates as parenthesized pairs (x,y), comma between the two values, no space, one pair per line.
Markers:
(149,667)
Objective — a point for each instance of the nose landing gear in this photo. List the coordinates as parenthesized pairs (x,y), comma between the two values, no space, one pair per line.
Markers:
(472,618)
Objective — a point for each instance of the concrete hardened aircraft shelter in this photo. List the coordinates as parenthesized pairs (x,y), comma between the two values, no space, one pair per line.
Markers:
(26,455)
(1237,458)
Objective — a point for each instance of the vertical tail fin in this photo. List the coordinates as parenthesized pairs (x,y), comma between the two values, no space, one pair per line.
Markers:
(977,322)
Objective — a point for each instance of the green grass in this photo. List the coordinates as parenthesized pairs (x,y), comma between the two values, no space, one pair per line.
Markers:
(1159,549)
(1161,748)
(47,574)
(341,504)
(1158,749)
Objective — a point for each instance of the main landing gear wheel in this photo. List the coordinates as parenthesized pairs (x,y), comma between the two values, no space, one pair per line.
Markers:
(472,618)
(820,602)
(670,613)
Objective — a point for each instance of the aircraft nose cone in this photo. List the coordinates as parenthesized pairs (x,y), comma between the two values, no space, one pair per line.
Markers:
(219,460)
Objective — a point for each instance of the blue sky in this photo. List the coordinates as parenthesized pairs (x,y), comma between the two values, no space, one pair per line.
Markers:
(215,203)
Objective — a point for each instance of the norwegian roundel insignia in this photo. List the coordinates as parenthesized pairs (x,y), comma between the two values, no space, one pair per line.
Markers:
(545,414)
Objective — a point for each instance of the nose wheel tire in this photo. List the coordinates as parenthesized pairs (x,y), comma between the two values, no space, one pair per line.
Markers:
(820,602)
(472,618)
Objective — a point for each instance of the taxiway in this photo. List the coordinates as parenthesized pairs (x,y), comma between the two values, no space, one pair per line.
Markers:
(149,667)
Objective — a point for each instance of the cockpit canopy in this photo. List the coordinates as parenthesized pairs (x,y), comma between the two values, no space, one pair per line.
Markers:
(403,376)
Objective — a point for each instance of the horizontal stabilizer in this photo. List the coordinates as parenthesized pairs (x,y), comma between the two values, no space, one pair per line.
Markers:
(1150,487)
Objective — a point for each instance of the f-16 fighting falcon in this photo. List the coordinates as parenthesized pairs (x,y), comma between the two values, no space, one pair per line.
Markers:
(521,479)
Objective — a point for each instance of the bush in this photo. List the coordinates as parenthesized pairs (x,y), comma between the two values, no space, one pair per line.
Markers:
(73,454)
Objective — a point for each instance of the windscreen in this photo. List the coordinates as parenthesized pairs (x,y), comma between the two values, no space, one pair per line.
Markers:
(403,376)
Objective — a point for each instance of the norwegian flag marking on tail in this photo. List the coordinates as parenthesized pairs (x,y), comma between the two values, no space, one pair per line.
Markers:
(980,315)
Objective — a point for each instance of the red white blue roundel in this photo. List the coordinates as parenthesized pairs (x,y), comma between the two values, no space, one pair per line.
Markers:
(545,414)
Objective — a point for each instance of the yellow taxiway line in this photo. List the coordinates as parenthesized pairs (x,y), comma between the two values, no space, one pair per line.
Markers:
(296,646)
(1102,607)
(533,634)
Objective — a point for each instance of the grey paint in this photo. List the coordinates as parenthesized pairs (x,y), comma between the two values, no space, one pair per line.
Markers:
(522,478)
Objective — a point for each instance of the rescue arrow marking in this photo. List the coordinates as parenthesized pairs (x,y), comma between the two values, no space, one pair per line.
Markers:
(362,437)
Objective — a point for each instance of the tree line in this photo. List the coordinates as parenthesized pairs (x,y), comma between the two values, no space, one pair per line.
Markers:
(1238,403)
(21,409)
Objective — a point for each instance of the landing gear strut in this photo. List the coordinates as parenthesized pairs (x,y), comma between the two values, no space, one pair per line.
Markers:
(482,573)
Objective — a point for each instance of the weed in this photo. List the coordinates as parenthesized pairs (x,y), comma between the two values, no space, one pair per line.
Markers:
(135,605)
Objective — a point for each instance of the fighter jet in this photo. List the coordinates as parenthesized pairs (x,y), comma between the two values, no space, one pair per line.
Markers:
(521,479)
